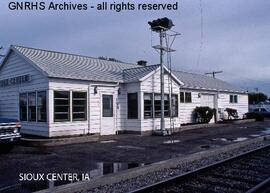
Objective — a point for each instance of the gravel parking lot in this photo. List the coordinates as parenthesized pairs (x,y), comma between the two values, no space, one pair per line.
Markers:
(125,150)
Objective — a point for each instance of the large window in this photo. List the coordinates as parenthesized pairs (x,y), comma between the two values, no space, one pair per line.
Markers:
(107,104)
(41,107)
(185,97)
(233,98)
(148,105)
(152,106)
(32,110)
(79,106)
(174,106)
(23,107)
(132,106)
(61,106)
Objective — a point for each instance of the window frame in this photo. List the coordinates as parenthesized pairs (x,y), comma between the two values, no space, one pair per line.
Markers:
(183,97)
(233,98)
(38,107)
(111,97)
(26,106)
(34,93)
(130,114)
(151,111)
(61,105)
(84,106)
(174,112)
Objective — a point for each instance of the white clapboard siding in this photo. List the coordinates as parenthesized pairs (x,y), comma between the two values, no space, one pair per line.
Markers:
(9,96)
(152,85)
(241,106)
(186,109)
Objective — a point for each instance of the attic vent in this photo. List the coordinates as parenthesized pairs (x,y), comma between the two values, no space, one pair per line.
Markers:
(142,63)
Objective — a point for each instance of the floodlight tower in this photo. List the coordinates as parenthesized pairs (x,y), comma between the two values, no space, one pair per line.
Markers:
(160,26)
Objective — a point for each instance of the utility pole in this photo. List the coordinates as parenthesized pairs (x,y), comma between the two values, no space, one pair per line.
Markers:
(162,120)
(214,73)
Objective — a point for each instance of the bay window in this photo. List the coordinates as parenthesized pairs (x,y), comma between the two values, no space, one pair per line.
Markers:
(61,106)
(79,106)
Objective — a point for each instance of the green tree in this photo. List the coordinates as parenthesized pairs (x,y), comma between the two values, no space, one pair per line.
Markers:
(255,98)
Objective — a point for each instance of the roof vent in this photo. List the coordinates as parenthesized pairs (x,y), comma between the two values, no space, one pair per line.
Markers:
(142,63)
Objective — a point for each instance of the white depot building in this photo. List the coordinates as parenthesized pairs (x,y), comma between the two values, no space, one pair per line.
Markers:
(58,94)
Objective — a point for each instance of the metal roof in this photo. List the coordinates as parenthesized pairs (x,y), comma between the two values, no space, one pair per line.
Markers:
(71,66)
(198,81)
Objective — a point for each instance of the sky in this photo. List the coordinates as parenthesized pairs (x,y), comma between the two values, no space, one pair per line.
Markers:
(228,35)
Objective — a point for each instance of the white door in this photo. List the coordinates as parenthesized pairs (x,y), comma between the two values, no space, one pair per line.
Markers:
(107,114)
(208,100)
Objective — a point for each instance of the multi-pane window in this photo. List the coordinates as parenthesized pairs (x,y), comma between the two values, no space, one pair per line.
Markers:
(132,106)
(185,97)
(148,105)
(166,105)
(157,105)
(41,106)
(233,98)
(32,106)
(107,103)
(79,106)
(23,107)
(174,106)
(152,106)
(61,106)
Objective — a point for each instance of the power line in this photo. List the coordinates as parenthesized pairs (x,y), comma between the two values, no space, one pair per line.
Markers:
(202,35)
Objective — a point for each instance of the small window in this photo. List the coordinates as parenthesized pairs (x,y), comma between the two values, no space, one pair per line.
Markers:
(174,110)
(23,107)
(166,106)
(132,106)
(79,106)
(148,106)
(61,106)
(185,97)
(182,97)
(41,106)
(233,98)
(32,111)
(107,103)
(188,98)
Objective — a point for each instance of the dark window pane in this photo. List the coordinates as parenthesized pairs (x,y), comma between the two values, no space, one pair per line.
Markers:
(235,99)
(61,106)
(231,98)
(174,102)
(42,106)
(107,103)
(23,107)
(79,106)
(182,97)
(148,106)
(166,105)
(32,106)
(157,103)
(188,98)
(132,106)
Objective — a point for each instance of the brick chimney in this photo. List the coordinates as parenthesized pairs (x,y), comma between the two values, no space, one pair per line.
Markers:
(142,63)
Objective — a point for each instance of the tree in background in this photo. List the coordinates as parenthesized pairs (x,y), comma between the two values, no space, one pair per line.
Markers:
(255,98)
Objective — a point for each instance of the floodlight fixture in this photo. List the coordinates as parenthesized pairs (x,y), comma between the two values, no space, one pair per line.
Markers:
(161,24)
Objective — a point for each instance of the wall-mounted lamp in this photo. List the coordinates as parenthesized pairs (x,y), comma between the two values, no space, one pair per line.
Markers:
(95,90)
(199,95)
(119,91)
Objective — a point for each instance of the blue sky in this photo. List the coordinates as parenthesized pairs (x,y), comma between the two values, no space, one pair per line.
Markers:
(235,36)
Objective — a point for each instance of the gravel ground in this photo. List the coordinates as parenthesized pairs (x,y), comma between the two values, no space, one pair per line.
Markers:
(154,177)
